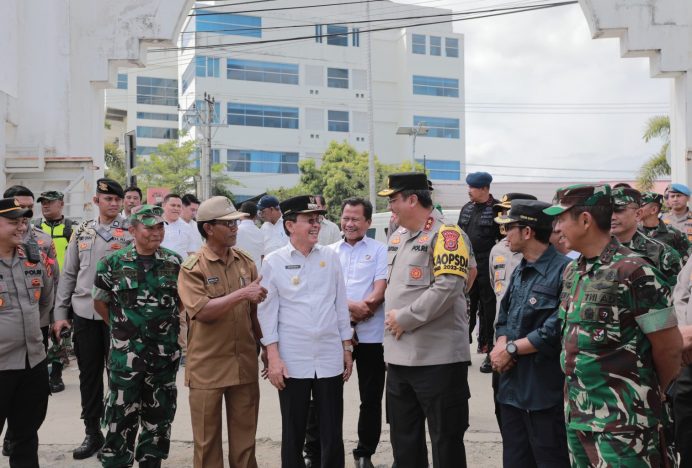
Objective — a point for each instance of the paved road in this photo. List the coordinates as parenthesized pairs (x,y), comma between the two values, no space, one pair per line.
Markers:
(63,430)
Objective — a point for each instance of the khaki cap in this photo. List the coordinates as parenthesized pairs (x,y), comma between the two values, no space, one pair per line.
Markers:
(218,208)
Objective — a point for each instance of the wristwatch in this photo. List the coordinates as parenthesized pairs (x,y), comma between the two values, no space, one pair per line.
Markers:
(511,348)
(348,348)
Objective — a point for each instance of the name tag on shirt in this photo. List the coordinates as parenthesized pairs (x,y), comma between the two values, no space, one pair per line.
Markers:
(292,267)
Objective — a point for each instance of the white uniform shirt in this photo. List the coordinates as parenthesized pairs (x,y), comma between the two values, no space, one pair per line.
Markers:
(362,265)
(274,236)
(329,232)
(179,238)
(305,311)
(197,239)
(250,240)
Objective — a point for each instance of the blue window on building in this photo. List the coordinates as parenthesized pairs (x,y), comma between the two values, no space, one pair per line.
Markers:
(207,66)
(435,45)
(337,78)
(356,37)
(146,150)
(271,162)
(452,47)
(318,33)
(157,91)
(267,72)
(438,127)
(251,115)
(228,23)
(418,44)
(194,112)
(337,35)
(434,86)
(157,116)
(122,80)
(157,132)
(337,121)
(440,169)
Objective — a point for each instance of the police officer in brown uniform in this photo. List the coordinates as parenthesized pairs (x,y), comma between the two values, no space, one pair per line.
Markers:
(220,290)
(91,241)
(426,328)
(25,286)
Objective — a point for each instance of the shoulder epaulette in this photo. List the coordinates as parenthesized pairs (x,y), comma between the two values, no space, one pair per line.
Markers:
(242,253)
(190,262)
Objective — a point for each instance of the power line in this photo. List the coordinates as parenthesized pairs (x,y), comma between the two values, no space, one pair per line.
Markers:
(497,12)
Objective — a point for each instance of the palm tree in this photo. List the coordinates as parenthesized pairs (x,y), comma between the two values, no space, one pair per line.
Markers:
(656,165)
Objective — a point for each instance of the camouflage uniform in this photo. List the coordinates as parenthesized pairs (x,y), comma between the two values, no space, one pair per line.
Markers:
(665,258)
(612,399)
(144,355)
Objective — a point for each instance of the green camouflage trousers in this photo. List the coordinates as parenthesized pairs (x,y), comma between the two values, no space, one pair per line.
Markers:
(637,449)
(57,352)
(146,398)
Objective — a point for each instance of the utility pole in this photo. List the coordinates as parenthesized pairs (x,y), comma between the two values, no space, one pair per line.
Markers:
(371,118)
(206,117)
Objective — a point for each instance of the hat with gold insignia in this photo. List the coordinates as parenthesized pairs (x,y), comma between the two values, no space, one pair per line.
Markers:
(9,208)
(405,181)
(301,204)
(580,195)
(506,200)
(109,187)
(218,208)
(527,212)
(149,215)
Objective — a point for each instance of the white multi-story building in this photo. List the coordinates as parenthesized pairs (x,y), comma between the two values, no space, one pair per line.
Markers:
(280,101)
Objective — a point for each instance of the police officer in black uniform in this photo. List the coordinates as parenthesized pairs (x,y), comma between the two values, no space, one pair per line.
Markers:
(476,220)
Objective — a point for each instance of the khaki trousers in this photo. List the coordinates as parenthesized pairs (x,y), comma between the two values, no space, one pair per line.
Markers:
(242,408)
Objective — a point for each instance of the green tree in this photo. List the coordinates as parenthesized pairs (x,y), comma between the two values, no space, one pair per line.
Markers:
(173,167)
(342,174)
(115,162)
(656,165)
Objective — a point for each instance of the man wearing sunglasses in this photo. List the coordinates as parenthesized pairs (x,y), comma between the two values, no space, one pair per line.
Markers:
(527,351)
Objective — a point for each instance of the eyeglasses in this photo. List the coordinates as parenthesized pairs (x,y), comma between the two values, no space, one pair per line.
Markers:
(228,223)
(311,221)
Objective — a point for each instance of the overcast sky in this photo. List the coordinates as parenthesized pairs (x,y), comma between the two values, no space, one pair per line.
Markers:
(548,60)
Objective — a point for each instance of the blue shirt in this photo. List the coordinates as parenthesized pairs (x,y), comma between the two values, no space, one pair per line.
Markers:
(529,309)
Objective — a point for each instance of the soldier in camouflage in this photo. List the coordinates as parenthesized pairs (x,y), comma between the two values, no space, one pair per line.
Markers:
(621,344)
(654,227)
(136,293)
(626,203)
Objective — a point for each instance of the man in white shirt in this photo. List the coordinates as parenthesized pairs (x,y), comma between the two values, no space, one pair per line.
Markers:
(307,332)
(189,215)
(132,200)
(273,228)
(249,238)
(178,236)
(329,231)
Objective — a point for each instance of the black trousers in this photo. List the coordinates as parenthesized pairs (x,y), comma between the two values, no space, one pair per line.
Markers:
(294,401)
(91,343)
(534,438)
(682,410)
(438,394)
(369,358)
(482,299)
(23,404)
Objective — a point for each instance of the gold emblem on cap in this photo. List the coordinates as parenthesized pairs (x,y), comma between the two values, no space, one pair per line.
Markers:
(504,198)
(103,186)
(16,203)
(312,200)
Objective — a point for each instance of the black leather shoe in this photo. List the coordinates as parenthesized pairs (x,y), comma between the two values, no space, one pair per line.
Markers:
(92,443)
(364,462)
(310,464)
(150,463)
(56,385)
(486,367)
(6,447)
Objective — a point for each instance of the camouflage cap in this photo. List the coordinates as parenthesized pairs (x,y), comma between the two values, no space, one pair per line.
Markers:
(623,196)
(149,215)
(50,196)
(582,195)
(652,197)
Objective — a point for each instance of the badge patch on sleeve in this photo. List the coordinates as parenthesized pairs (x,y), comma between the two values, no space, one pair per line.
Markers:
(451,254)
